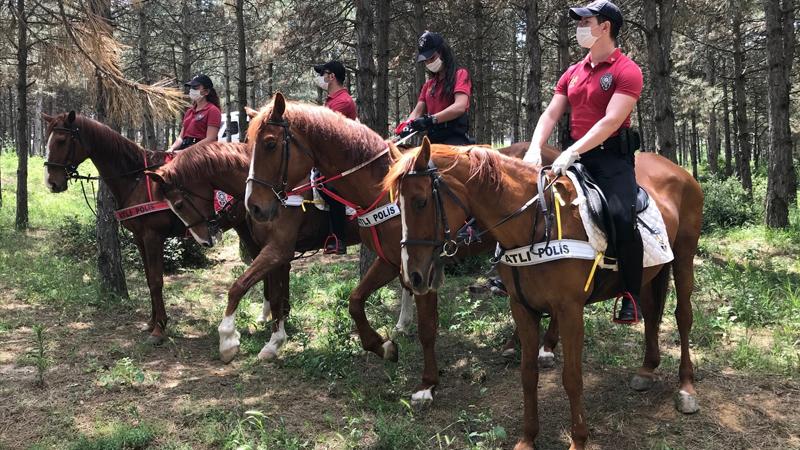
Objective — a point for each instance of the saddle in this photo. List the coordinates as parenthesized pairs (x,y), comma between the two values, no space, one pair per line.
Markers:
(598,206)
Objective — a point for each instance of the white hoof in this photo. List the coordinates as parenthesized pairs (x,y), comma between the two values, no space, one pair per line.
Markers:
(509,352)
(276,341)
(268,353)
(390,352)
(262,318)
(546,359)
(401,330)
(228,340)
(422,397)
(640,383)
(686,402)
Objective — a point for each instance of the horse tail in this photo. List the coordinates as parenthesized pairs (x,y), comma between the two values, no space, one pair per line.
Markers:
(660,286)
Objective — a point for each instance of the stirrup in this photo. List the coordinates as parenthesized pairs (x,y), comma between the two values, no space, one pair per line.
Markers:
(335,249)
(635,320)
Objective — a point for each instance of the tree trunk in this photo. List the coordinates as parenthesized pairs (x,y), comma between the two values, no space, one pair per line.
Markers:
(713,138)
(726,125)
(270,80)
(186,42)
(23,138)
(241,91)
(227,81)
(533,48)
(382,82)
(695,143)
(781,181)
(148,127)
(740,96)
(658,19)
(365,72)
(419,73)
(109,257)
(516,74)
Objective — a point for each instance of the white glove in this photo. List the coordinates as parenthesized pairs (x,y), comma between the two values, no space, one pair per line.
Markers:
(533,155)
(564,161)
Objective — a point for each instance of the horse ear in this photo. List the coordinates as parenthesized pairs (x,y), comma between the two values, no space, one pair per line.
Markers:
(155,176)
(251,113)
(71,117)
(424,155)
(278,106)
(47,117)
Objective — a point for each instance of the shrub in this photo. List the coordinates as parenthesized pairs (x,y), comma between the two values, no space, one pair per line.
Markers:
(726,205)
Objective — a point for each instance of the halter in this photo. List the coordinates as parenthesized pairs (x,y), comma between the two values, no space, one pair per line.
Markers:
(70,168)
(279,189)
(213,221)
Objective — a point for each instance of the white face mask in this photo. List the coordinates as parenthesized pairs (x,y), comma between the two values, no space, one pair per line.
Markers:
(585,37)
(195,95)
(321,83)
(435,66)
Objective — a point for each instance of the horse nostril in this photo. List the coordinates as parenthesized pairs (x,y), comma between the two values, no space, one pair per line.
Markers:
(416,279)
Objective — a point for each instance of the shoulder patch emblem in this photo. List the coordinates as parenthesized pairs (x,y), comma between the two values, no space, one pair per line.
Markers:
(573,81)
(605,81)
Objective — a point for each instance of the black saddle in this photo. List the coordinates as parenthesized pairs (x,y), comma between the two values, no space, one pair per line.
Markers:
(598,206)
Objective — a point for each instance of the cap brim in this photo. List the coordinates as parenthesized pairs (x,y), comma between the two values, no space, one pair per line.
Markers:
(579,13)
(425,55)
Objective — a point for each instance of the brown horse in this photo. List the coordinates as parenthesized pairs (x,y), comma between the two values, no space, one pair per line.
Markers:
(289,139)
(490,187)
(188,183)
(121,163)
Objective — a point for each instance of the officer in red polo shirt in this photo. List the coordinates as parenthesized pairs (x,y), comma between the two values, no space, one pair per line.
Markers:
(443,104)
(330,78)
(202,120)
(601,90)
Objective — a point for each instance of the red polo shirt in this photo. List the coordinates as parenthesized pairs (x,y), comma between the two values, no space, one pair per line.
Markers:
(196,123)
(341,102)
(589,89)
(432,91)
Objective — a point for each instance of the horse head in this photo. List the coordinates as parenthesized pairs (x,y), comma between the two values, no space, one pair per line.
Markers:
(65,150)
(280,160)
(192,201)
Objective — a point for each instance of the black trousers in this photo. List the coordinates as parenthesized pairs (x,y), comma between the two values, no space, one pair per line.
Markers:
(336,215)
(614,173)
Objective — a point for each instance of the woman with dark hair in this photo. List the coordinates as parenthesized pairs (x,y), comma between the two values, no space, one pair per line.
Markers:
(202,120)
(443,104)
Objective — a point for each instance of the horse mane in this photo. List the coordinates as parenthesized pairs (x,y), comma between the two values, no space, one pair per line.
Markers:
(127,155)
(485,164)
(206,160)
(354,141)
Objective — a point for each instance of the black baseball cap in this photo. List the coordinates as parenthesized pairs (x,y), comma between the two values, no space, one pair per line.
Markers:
(428,43)
(200,80)
(599,8)
(334,67)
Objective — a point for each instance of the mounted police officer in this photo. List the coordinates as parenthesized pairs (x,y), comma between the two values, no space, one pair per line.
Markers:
(601,91)
(443,103)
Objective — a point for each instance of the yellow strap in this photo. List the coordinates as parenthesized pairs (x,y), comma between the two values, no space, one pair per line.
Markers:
(558,213)
(597,260)
(391,195)
(313,202)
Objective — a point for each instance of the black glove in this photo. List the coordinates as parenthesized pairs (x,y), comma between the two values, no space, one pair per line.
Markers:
(422,123)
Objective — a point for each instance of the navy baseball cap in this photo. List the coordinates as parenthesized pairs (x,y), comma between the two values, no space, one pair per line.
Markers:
(334,67)
(428,43)
(599,8)
(200,80)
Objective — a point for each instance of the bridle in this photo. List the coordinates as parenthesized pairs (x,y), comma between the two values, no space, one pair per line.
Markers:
(70,168)
(279,188)
(213,222)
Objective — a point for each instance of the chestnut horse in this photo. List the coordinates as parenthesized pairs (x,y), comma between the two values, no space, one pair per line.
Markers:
(73,139)
(188,183)
(289,139)
(491,187)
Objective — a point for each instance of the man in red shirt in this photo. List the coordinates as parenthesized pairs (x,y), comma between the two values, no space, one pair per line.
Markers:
(330,77)
(602,90)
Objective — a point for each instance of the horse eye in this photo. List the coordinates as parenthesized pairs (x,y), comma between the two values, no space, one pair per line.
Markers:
(420,203)
(271,146)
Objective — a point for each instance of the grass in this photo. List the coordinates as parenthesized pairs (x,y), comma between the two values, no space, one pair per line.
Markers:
(747,322)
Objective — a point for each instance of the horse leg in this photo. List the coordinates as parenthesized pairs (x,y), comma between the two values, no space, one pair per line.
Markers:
(406,312)
(528,329)
(228,336)
(686,399)
(153,258)
(571,332)
(427,325)
(246,238)
(151,324)
(652,298)
(379,273)
(547,357)
(279,302)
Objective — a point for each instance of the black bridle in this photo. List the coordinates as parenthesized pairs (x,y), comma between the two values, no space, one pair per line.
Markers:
(69,166)
(213,222)
(279,188)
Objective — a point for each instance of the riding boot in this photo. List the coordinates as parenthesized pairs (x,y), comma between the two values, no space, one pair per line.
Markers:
(338,224)
(630,260)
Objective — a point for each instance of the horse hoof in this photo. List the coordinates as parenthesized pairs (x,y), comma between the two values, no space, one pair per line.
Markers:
(155,340)
(546,359)
(422,397)
(267,354)
(686,402)
(390,351)
(401,331)
(228,354)
(523,444)
(641,383)
(262,318)
(509,352)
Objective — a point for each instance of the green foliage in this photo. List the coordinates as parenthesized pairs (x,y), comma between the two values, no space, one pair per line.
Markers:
(259,431)
(726,205)
(38,355)
(125,373)
(118,437)
(480,430)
